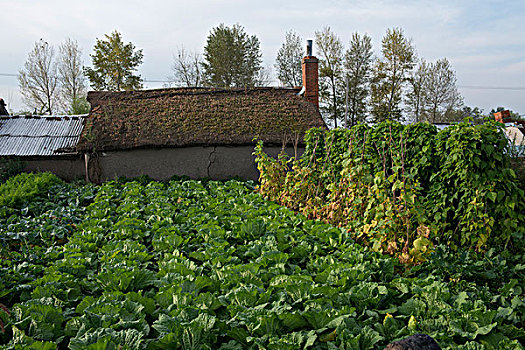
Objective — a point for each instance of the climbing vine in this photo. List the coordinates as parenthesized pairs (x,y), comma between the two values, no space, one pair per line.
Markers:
(403,188)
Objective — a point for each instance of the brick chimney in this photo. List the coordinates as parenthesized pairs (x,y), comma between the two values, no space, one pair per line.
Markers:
(310,66)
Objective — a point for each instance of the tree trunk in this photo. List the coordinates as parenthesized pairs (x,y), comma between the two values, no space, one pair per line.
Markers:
(334,101)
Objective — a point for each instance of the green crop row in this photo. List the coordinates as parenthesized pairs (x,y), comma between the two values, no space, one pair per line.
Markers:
(212,265)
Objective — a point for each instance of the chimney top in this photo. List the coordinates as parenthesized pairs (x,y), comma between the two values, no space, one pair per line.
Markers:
(310,65)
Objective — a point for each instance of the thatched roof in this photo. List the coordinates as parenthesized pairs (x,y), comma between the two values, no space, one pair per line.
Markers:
(181,117)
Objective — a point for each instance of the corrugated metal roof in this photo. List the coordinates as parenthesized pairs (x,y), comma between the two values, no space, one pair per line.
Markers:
(39,136)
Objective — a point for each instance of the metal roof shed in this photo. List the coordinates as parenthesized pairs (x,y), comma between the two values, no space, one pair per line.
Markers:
(26,136)
(43,143)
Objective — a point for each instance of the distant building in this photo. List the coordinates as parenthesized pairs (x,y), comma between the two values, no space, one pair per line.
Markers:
(503,116)
(514,130)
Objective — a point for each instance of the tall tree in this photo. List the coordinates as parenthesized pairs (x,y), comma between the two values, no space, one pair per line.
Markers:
(114,64)
(358,69)
(391,73)
(416,96)
(38,79)
(232,58)
(187,68)
(441,94)
(71,77)
(331,84)
(288,61)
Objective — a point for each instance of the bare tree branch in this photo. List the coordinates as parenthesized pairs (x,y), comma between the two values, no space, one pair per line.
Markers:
(38,79)
(331,82)
(358,69)
(187,68)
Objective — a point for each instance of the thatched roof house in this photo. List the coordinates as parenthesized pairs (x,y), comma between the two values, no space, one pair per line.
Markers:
(184,117)
(198,132)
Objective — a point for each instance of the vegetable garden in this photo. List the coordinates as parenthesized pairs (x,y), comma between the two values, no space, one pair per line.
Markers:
(139,264)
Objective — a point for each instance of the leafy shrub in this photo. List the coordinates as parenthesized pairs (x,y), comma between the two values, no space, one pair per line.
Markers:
(9,168)
(24,187)
(518,166)
(473,196)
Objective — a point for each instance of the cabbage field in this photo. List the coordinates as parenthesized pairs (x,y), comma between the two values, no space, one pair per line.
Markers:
(212,265)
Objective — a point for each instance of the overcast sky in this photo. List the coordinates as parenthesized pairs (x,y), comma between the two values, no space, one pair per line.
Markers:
(484,40)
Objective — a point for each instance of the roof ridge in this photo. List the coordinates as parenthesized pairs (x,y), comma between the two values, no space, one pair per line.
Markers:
(188,91)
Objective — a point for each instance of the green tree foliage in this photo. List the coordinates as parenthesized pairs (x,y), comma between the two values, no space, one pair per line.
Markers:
(79,105)
(232,58)
(391,73)
(288,61)
(114,65)
(331,82)
(475,114)
(38,79)
(358,69)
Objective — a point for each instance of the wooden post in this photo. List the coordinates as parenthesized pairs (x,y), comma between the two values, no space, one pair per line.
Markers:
(86,165)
